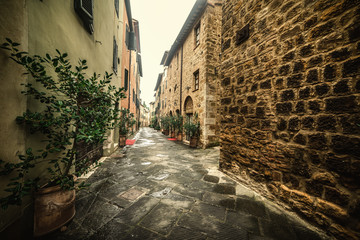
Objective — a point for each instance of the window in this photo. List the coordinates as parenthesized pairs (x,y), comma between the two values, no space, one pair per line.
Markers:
(126,79)
(197,35)
(165,101)
(84,8)
(115,56)
(117,7)
(127,36)
(133,95)
(196,80)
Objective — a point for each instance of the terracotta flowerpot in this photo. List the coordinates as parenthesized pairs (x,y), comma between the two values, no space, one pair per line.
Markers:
(193,142)
(179,136)
(122,140)
(53,209)
(166,132)
(172,135)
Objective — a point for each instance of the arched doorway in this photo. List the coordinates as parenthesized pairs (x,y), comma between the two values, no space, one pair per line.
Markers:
(188,106)
(171,113)
(189,111)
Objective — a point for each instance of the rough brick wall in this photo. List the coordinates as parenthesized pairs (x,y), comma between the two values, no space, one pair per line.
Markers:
(290,105)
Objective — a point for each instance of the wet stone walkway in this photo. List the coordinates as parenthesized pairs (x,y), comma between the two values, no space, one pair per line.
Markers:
(160,189)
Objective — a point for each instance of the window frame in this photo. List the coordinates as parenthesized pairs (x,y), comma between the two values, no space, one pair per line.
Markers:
(197,34)
(196,75)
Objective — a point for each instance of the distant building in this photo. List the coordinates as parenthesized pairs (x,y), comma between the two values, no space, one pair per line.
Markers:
(189,82)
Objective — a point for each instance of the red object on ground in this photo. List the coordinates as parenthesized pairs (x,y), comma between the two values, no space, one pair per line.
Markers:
(172,139)
(130,142)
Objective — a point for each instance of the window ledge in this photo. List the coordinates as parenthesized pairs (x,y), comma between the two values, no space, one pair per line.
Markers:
(195,90)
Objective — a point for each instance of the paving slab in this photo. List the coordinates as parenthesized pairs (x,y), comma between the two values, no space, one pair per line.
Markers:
(160,189)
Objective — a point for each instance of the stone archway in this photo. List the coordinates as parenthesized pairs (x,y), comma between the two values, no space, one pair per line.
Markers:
(188,106)
(171,113)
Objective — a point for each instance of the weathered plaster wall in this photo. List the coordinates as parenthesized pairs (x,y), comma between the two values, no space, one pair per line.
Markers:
(41,27)
(13,16)
(290,105)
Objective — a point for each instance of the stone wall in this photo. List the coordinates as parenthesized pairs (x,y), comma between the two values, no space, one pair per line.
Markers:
(289,103)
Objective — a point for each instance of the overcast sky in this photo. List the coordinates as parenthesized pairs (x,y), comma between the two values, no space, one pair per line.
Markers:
(160,22)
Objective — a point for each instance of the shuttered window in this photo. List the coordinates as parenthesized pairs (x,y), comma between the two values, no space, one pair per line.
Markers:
(115,56)
(84,8)
(196,80)
(117,7)
(126,79)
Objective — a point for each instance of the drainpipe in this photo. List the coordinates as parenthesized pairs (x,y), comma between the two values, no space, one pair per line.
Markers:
(130,71)
(181,75)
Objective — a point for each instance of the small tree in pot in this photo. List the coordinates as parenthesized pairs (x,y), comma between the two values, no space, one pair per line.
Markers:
(123,127)
(192,129)
(75,108)
(165,124)
(179,126)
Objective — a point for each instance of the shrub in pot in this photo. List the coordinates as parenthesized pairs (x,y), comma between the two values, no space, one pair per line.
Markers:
(165,124)
(73,108)
(179,126)
(123,127)
(192,129)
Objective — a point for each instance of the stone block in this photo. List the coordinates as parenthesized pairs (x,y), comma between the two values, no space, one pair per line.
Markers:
(331,209)
(326,123)
(304,93)
(351,67)
(294,124)
(322,89)
(300,139)
(317,141)
(294,81)
(224,188)
(312,76)
(284,70)
(308,122)
(284,108)
(314,106)
(298,66)
(314,61)
(251,99)
(329,72)
(322,30)
(300,107)
(340,55)
(289,56)
(211,178)
(340,104)
(337,196)
(306,50)
(265,84)
(287,95)
(341,87)
(346,145)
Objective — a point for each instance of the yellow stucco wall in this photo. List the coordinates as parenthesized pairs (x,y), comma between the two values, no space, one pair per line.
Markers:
(41,27)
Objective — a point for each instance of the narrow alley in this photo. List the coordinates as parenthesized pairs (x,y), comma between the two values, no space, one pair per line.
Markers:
(160,189)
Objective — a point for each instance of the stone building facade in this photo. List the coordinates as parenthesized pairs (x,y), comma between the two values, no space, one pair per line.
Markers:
(289,105)
(190,78)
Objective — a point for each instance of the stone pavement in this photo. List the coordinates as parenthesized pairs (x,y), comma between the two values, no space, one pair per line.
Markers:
(160,189)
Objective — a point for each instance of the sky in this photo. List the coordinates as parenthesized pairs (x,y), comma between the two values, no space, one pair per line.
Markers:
(160,22)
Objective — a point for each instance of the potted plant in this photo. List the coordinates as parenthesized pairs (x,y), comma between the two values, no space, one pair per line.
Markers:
(165,124)
(73,108)
(192,129)
(123,127)
(179,127)
(172,126)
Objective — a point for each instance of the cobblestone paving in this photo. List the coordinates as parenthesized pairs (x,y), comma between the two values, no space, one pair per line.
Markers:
(160,189)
